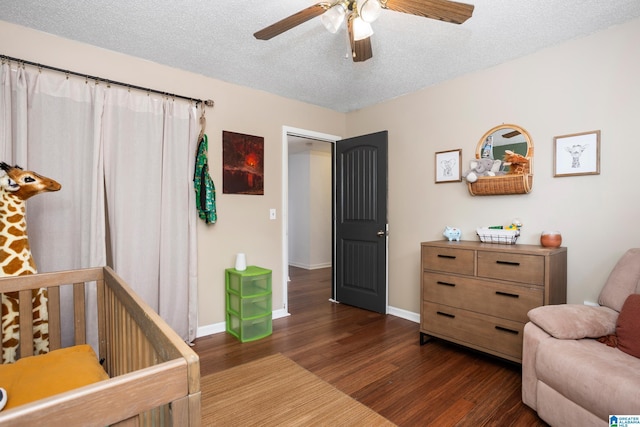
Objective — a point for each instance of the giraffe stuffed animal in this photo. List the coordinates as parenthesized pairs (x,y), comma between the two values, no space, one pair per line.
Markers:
(16,186)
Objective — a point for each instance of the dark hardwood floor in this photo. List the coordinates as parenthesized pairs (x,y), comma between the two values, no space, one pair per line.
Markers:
(379,361)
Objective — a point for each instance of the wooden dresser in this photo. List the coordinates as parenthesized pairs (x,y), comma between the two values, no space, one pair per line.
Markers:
(478,294)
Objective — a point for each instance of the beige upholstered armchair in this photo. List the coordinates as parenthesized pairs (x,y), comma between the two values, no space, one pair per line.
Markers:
(580,363)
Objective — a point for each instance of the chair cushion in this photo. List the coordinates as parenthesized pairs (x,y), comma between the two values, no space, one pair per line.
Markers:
(623,281)
(628,326)
(574,321)
(602,379)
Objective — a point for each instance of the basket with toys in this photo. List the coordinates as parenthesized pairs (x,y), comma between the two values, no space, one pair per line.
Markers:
(516,177)
(498,234)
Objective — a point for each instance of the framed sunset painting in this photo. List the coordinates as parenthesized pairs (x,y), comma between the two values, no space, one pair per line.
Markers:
(242,164)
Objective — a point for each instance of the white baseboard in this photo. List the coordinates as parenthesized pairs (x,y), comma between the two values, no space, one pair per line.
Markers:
(216,328)
(310,266)
(280,313)
(404,314)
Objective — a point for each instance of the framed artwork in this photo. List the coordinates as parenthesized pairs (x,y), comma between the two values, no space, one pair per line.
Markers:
(449,166)
(242,164)
(577,154)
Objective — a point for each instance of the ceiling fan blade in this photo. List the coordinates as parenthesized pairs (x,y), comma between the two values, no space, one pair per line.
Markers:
(443,10)
(292,21)
(360,49)
(511,134)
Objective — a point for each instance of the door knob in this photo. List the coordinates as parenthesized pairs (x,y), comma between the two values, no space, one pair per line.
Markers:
(381,233)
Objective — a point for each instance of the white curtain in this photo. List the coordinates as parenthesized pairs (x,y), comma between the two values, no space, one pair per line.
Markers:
(125,160)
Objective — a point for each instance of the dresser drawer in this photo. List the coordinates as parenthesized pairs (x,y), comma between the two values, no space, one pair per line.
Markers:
(493,298)
(511,266)
(480,331)
(452,260)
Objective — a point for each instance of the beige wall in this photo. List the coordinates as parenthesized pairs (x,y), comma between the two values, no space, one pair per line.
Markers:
(585,84)
(243,221)
(582,85)
(310,209)
(298,209)
(320,215)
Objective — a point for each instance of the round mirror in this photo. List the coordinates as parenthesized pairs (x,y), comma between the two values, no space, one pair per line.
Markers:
(496,141)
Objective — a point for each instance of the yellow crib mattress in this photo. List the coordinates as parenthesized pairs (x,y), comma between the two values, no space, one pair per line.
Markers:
(36,377)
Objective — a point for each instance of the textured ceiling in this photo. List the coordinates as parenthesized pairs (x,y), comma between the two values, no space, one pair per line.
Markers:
(215,39)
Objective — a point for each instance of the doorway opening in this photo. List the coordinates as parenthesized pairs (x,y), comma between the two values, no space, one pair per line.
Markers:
(307,202)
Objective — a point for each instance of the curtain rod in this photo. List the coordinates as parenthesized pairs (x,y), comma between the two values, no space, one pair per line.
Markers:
(208,102)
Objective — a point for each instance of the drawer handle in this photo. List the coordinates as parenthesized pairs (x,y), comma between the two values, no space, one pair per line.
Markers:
(515,264)
(452,316)
(507,294)
(446,256)
(511,331)
(446,284)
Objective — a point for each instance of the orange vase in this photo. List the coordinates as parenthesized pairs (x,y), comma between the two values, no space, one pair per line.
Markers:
(551,239)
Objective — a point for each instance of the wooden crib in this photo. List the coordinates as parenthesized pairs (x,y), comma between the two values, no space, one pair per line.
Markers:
(154,377)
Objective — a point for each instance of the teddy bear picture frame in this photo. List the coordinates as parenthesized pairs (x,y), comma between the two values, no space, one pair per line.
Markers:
(448,166)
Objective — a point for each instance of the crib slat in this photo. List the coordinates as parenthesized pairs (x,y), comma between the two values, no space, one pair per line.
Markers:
(80,335)
(26,323)
(102,328)
(180,412)
(55,338)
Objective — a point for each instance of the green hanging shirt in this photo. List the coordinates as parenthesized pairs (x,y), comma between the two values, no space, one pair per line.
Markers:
(203,184)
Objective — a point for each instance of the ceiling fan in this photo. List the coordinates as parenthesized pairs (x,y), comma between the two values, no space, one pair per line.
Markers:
(360,13)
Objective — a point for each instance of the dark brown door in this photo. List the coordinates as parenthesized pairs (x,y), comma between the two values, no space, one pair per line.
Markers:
(360,270)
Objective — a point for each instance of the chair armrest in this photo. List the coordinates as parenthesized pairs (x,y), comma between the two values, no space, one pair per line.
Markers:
(574,321)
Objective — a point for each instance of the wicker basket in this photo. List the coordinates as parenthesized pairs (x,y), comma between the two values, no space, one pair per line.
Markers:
(503,184)
(491,235)
(517,183)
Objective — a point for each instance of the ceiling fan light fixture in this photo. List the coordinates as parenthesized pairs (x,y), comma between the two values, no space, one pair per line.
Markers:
(361,29)
(369,10)
(360,13)
(332,18)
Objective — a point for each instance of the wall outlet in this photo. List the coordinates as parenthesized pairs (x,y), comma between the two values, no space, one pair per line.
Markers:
(272,213)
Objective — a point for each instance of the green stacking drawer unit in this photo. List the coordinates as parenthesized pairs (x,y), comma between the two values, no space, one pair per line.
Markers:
(248,302)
